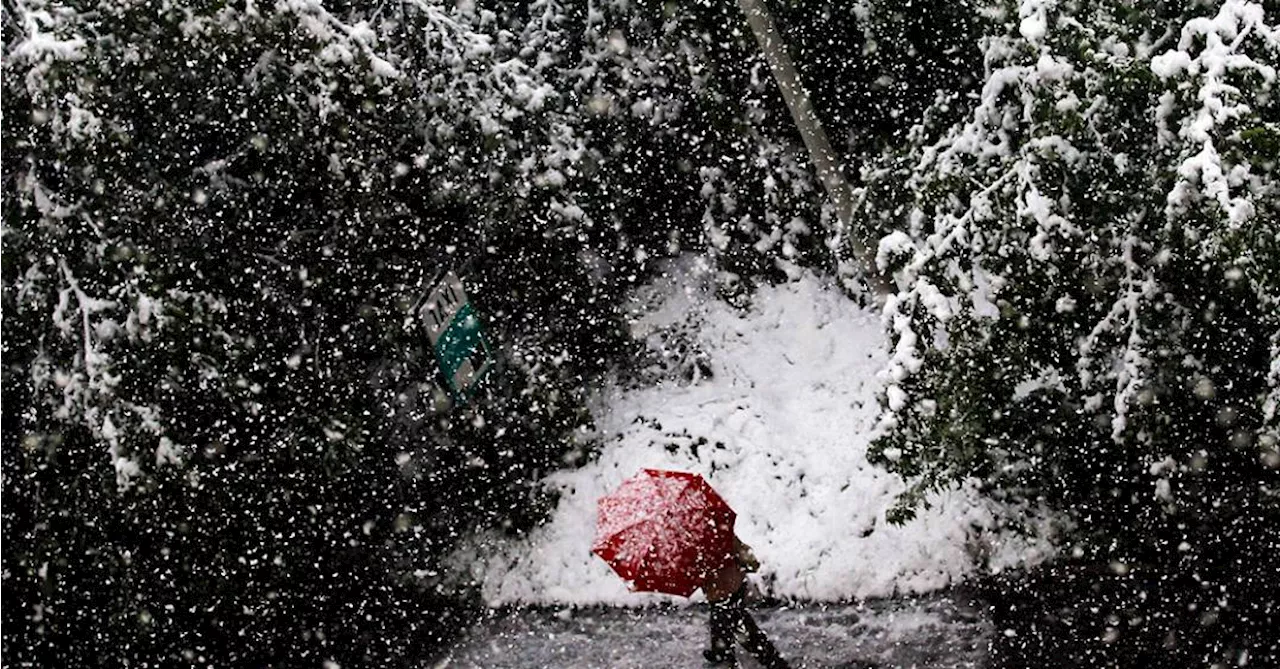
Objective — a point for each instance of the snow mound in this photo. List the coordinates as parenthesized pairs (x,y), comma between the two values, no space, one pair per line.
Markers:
(780,428)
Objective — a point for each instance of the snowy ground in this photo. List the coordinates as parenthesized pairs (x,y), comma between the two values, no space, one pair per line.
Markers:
(930,632)
(776,416)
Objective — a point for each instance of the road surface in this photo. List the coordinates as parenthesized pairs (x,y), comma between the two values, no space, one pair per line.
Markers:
(943,631)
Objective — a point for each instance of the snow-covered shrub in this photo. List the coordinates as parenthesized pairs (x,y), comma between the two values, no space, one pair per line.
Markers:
(222,441)
(1088,271)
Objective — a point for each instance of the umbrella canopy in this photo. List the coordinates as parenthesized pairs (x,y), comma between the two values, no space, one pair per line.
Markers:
(663,531)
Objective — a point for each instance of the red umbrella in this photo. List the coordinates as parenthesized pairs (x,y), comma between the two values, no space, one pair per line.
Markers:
(663,531)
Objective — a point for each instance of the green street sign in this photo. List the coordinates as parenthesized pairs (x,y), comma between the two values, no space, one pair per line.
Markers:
(453,328)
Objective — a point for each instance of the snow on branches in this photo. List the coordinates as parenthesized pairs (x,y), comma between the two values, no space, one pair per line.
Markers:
(1216,71)
(90,81)
(1071,243)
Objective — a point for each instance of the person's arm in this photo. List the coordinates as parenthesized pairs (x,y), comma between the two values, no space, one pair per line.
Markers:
(745,557)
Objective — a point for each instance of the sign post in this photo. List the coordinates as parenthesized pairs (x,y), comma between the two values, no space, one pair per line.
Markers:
(453,329)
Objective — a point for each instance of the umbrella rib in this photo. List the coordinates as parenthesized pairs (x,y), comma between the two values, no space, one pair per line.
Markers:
(674,507)
(651,516)
(662,517)
(667,511)
(627,528)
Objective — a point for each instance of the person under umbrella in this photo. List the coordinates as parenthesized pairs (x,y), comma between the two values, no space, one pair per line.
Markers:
(726,590)
(671,532)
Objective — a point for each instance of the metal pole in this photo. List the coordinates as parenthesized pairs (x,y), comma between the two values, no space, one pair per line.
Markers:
(815,138)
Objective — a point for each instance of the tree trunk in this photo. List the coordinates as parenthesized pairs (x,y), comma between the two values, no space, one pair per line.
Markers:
(824,159)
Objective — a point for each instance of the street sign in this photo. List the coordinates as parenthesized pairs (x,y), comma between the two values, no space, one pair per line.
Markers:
(453,329)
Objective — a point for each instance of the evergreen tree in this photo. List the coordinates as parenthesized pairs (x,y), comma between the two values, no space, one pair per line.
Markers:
(1088,314)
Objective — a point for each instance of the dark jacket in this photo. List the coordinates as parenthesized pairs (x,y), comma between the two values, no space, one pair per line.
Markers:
(720,584)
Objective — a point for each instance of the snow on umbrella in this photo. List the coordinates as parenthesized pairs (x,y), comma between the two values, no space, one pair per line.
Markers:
(663,531)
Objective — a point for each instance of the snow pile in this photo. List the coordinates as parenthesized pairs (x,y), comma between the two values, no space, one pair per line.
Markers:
(780,427)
